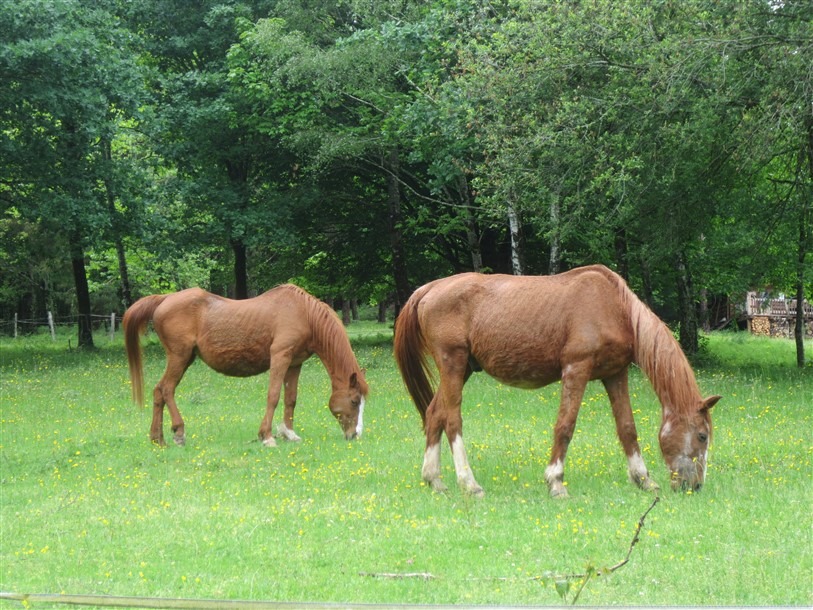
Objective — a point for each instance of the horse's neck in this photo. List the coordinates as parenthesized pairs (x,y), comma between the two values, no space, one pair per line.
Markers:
(333,349)
(672,378)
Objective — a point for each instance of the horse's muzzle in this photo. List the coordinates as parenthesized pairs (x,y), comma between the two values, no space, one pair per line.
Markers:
(684,485)
(687,477)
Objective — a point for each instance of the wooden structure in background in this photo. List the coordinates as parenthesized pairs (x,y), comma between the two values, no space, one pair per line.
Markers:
(775,316)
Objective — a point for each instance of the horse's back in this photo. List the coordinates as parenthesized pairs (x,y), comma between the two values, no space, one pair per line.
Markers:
(231,336)
(525,329)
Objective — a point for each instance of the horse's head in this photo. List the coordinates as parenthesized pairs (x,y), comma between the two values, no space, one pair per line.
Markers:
(347,405)
(684,439)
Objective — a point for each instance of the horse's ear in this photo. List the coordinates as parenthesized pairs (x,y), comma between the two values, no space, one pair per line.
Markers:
(709,402)
(354,380)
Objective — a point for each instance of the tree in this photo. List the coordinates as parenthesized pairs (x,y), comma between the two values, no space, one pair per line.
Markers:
(69,83)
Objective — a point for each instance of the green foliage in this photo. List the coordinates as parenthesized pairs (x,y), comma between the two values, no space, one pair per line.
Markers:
(668,140)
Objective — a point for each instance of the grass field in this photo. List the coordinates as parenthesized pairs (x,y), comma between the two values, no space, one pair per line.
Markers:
(88,505)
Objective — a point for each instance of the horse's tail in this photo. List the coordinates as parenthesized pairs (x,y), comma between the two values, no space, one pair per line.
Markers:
(410,354)
(135,323)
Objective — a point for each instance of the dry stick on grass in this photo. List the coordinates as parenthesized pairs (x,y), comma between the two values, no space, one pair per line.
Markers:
(423,575)
(569,577)
(594,572)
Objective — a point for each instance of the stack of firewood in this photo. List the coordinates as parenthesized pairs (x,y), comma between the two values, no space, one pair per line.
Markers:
(761,326)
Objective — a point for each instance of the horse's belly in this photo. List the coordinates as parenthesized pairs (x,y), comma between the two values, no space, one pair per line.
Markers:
(526,374)
(236,364)
(242,369)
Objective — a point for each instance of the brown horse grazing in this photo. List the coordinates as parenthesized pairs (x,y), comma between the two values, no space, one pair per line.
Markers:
(277,330)
(531,331)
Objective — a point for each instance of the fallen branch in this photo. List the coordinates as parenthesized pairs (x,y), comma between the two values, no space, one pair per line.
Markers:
(423,575)
(562,581)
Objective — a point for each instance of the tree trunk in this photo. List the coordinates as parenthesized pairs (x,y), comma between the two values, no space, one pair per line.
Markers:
(804,239)
(514,226)
(240,269)
(470,222)
(124,275)
(347,314)
(688,315)
(80,280)
(705,322)
(399,270)
(799,332)
(555,265)
(473,240)
(646,279)
(622,253)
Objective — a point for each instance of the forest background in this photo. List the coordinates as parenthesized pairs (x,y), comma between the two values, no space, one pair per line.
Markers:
(362,148)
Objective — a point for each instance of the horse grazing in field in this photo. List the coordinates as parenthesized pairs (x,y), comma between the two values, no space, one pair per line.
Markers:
(277,330)
(528,332)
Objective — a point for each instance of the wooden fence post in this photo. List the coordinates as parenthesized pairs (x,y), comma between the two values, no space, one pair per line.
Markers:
(112,325)
(15,325)
(51,326)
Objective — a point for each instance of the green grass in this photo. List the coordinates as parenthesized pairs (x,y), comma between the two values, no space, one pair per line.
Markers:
(88,505)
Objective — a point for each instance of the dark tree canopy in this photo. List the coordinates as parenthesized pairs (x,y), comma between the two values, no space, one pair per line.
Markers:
(361,149)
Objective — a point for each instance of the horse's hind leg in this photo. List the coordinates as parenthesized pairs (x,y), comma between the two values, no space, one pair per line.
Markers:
(164,394)
(618,390)
(157,425)
(431,457)
(444,415)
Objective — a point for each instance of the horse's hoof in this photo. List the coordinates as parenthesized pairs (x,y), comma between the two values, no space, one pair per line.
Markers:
(180,440)
(559,492)
(650,485)
(438,486)
(269,442)
(288,434)
(477,492)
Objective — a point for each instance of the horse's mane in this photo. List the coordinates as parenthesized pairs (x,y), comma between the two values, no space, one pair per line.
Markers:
(328,334)
(659,354)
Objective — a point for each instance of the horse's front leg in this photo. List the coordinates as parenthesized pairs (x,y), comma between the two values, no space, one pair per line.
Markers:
(278,371)
(574,381)
(286,428)
(618,390)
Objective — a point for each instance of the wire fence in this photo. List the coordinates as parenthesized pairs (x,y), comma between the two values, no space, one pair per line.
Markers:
(110,601)
(17,326)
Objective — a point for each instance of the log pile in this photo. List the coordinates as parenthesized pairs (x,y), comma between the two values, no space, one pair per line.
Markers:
(761,326)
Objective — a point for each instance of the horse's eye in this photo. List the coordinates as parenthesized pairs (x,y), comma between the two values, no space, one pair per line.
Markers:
(702,437)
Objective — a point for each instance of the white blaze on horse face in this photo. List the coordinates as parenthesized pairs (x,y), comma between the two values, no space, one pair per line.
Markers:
(687,444)
(360,421)
(705,464)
